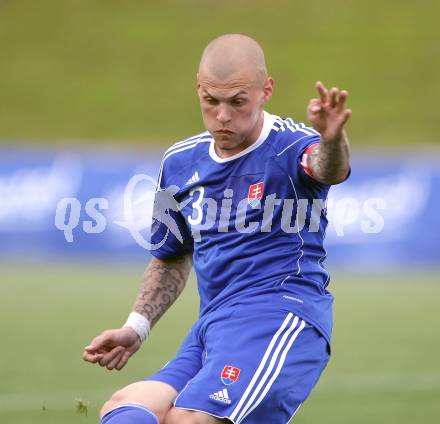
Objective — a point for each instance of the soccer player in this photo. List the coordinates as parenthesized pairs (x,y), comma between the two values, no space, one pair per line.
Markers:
(251,217)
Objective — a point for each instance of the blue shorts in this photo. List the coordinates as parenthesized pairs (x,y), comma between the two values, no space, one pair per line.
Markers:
(248,366)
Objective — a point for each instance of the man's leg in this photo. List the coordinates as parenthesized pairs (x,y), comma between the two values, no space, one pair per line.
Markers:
(148,402)
(143,402)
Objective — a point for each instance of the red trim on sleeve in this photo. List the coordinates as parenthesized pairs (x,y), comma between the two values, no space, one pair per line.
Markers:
(305,155)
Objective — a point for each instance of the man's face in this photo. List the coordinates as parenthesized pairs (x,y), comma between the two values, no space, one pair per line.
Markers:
(231,108)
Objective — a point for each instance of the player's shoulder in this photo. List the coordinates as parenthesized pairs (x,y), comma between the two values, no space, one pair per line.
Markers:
(290,134)
(185,147)
(185,150)
(185,153)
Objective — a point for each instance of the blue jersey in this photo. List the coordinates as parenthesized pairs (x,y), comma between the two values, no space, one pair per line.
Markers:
(254,222)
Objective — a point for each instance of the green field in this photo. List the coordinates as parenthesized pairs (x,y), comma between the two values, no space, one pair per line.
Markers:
(75,71)
(385,368)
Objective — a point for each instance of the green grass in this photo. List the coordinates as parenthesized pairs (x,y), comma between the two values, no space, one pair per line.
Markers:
(384,368)
(106,70)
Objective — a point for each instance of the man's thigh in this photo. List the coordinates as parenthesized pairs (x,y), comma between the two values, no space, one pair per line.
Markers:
(257,367)
(186,363)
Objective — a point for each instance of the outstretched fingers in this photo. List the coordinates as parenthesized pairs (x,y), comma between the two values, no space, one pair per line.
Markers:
(327,113)
(323,92)
(342,99)
(346,115)
(333,97)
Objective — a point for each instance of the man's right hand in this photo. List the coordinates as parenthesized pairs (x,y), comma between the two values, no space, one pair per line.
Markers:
(112,348)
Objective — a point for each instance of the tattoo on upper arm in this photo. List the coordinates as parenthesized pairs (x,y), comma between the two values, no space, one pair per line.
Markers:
(161,285)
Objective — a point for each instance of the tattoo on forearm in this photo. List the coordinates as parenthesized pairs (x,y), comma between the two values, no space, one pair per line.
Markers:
(329,162)
(161,285)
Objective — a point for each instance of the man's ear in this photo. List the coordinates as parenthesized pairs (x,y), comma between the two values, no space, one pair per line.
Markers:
(268,88)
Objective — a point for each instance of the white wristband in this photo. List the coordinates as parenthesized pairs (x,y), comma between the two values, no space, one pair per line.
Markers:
(139,324)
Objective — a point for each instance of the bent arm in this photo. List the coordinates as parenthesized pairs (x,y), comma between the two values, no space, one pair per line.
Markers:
(161,285)
(329,162)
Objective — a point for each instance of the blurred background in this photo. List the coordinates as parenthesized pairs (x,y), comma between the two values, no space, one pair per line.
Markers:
(91,95)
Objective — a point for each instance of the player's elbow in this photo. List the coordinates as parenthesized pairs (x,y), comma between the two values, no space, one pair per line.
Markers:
(334,177)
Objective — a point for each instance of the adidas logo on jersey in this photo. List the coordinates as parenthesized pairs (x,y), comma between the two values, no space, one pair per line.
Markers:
(221,396)
(193,179)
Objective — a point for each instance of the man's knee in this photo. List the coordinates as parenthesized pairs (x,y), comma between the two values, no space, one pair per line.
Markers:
(156,396)
(183,416)
(118,398)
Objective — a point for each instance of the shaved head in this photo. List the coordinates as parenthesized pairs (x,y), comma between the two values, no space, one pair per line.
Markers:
(233,87)
(232,54)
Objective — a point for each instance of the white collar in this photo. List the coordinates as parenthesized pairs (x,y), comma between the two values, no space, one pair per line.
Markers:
(267,126)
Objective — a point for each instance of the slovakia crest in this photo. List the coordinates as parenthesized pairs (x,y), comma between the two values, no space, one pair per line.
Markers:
(255,194)
(230,374)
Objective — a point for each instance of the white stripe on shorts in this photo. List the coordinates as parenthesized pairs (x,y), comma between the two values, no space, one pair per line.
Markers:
(272,353)
(245,413)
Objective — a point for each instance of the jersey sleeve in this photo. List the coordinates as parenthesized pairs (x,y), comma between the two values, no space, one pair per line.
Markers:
(297,159)
(169,233)
(298,146)
(308,174)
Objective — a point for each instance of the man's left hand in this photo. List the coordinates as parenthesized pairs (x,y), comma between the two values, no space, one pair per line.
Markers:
(327,113)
